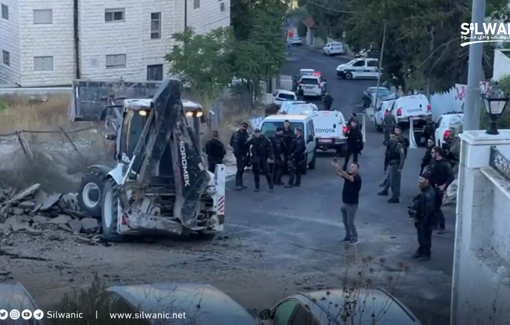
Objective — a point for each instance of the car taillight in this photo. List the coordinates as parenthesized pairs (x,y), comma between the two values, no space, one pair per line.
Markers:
(399,112)
(346,128)
(447,134)
(429,108)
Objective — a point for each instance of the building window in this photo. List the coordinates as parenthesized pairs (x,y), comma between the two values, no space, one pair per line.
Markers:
(155,25)
(114,15)
(6,57)
(43,63)
(155,72)
(5,12)
(43,16)
(196,4)
(116,61)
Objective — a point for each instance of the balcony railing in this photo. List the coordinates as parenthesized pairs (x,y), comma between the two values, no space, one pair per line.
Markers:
(500,163)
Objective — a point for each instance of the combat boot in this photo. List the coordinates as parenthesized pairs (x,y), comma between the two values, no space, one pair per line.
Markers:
(383,193)
(393,200)
(416,255)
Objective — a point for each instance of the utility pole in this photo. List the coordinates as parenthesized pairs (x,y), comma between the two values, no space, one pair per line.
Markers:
(472,109)
(380,65)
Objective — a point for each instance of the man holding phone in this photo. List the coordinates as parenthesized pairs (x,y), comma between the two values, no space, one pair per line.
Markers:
(350,199)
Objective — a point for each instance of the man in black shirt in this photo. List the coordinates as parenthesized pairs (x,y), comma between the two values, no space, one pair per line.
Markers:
(354,142)
(350,200)
(215,151)
(441,177)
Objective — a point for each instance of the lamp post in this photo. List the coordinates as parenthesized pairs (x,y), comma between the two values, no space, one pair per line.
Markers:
(494,100)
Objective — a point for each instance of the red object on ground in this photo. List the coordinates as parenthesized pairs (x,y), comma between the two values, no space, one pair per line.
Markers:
(291,33)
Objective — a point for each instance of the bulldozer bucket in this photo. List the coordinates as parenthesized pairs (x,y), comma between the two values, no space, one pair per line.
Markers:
(90,97)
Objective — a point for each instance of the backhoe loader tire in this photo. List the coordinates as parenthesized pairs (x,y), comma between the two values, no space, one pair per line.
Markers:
(110,212)
(90,193)
(202,235)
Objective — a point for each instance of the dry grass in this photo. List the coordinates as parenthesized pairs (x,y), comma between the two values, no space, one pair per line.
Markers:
(52,160)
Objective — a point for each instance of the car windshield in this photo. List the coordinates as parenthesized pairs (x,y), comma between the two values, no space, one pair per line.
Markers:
(306,72)
(269,128)
(383,92)
(310,81)
(286,96)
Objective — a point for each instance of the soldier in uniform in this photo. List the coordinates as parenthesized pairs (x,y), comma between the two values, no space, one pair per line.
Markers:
(297,159)
(389,124)
(393,165)
(401,138)
(288,136)
(279,150)
(261,156)
(427,158)
(423,211)
(238,144)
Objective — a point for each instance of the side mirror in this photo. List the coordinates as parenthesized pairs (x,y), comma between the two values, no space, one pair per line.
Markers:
(274,94)
(310,138)
(264,314)
(110,136)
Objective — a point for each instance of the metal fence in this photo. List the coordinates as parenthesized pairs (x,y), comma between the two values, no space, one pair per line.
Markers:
(500,163)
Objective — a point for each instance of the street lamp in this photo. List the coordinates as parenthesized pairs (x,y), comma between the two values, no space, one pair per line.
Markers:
(494,100)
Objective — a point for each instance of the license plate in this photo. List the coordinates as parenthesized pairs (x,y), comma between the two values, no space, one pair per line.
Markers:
(325,140)
(309,87)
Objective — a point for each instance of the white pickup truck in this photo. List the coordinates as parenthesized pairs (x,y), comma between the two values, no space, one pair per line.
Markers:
(330,129)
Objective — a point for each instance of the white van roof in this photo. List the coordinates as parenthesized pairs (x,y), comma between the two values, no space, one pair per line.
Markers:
(291,118)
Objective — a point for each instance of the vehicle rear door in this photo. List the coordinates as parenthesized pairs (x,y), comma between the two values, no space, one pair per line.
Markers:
(310,140)
(327,127)
(372,69)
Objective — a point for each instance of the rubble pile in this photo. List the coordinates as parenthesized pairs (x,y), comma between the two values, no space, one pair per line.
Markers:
(34,212)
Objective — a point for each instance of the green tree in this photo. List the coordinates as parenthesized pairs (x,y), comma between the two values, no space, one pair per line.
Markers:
(201,61)
(423,35)
(258,47)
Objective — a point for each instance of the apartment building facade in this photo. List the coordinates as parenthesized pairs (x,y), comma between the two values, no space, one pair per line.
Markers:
(56,41)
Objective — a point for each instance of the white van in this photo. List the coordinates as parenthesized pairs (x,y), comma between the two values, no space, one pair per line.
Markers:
(330,129)
(304,122)
(411,106)
(404,108)
(297,107)
(380,111)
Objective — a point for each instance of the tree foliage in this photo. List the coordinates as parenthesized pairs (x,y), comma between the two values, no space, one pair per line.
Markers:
(423,36)
(252,49)
(201,61)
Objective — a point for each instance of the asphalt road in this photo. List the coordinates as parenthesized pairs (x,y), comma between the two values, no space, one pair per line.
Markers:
(301,229)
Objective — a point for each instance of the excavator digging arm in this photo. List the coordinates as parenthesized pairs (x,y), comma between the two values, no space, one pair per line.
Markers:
(166,125)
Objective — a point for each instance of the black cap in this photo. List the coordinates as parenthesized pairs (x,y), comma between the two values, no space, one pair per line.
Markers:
(278,129)
(244,125)
(286,121)
(257,131)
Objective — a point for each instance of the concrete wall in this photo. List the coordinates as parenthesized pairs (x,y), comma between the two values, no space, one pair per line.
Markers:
(481,274)
(98,38)
(9,41)
(501,64)
(46,40)
(208,15)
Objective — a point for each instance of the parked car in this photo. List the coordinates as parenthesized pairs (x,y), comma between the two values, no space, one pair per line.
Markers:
(282,95)
(333,48)
(327,307)
(369,95)
(294,41)
(179,303)
(16,297)
(444,126)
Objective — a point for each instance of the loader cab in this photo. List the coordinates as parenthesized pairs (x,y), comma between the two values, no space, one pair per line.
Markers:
(135,115)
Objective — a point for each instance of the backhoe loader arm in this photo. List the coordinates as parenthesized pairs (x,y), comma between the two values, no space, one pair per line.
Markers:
(166,126)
